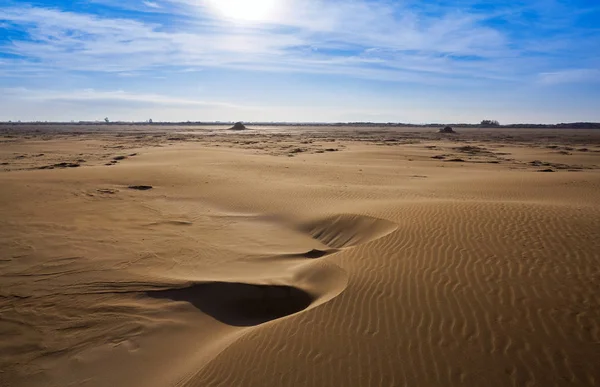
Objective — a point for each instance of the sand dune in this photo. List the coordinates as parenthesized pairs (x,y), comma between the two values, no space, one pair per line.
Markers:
(248,263)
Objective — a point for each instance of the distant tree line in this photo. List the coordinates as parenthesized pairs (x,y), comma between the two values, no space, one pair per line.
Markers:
(572,125)
(487,123)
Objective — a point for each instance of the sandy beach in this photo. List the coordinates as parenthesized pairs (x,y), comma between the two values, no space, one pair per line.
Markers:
(298,256)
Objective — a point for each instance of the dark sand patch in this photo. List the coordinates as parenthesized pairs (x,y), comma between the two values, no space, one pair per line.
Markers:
(141,187)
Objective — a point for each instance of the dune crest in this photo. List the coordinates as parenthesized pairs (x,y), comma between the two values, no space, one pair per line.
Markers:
(347,230)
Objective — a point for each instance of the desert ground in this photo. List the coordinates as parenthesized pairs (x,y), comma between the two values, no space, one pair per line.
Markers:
(298,256)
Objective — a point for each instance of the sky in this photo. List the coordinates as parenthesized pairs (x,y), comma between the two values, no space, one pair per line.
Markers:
(443,61)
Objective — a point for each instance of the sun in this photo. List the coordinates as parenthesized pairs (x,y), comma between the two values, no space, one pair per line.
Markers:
(244,10)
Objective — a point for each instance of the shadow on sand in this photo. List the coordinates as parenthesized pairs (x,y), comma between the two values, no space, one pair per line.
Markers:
(240,304)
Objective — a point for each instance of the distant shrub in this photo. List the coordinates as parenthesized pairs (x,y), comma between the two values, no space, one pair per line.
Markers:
(447,129)
(490,123)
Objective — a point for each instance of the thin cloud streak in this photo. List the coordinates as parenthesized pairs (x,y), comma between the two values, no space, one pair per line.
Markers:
(116,96)
(570,76)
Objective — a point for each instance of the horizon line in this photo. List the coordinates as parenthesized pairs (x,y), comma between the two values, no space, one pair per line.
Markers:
(591,124)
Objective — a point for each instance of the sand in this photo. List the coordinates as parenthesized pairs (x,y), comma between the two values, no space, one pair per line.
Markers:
(283,256)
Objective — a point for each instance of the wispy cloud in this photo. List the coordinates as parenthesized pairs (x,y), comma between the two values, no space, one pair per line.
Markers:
(116,96)
(570,76)
(312,36)
(151,4)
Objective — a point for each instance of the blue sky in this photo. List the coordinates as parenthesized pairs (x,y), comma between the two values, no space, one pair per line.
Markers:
(300,60)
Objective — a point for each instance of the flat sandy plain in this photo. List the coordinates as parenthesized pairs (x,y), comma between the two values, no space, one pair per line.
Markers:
(313,256)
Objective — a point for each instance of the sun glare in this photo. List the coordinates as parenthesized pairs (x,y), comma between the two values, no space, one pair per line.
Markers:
(244,10)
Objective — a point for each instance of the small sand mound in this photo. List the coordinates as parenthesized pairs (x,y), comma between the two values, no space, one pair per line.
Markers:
(240,304)
(348,230)
(238,126)
(446,129)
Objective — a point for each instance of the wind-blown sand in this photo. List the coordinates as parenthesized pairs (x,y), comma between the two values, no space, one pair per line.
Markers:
(160,256)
